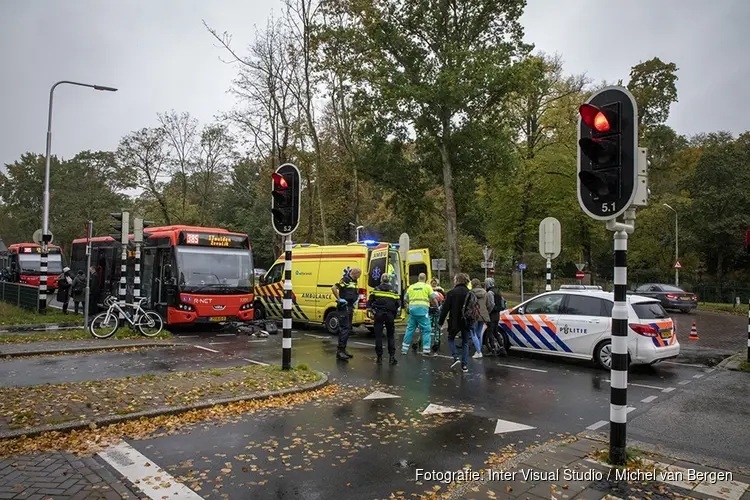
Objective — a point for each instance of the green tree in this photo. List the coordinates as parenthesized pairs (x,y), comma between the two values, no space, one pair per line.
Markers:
(652,83)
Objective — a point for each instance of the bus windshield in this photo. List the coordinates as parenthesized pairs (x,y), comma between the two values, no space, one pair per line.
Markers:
(30,263)
(214,270)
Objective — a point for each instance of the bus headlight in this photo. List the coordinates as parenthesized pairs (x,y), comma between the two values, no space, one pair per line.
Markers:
(185,307)
(246,306)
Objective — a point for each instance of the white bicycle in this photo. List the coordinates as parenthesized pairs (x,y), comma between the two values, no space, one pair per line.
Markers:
(106,324)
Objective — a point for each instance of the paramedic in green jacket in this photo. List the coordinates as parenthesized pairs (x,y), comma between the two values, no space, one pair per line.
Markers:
(419,297)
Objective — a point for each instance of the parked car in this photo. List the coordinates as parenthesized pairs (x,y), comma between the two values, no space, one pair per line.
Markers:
(670,296)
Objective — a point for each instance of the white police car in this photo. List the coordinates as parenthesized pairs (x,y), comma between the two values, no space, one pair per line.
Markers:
(576,323)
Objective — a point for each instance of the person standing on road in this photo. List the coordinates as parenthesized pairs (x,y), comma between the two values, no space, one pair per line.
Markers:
(79,286)
(384,302)
(484,301)
(419,298)
(346,292)
(64,283)
(94,290)
(495,343)
(453,308)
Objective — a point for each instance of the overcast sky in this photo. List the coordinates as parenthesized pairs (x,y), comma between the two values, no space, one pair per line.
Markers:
(160,56)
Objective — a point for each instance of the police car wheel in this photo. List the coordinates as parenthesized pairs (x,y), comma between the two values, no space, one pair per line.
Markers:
(603,354)
(332,322)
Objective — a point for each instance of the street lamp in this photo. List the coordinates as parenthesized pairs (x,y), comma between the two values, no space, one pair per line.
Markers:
(45,210)
(357,228)
(676,246)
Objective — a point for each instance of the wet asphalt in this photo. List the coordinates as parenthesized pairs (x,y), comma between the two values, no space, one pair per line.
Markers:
(349,447)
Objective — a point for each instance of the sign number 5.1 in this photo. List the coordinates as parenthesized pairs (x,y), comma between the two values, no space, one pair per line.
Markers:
(609,207)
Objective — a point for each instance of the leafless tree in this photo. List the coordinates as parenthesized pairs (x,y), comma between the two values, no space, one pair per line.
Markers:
(214,162)
(180,132)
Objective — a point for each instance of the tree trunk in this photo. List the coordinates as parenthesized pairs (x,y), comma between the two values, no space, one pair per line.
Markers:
(521,235)
(454,262)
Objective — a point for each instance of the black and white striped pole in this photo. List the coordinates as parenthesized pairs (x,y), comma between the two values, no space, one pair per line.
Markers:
(548,287)
(43,278)
(137,241)
(286,340)
(285,211)
(123,227)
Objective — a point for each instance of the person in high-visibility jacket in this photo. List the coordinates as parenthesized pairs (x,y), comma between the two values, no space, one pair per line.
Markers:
(419,297)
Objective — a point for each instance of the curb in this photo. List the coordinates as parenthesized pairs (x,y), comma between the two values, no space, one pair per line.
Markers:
(43,327)
(164,410)
(21,354)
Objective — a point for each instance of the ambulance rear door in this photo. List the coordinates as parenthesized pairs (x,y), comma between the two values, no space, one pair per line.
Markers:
(418,261)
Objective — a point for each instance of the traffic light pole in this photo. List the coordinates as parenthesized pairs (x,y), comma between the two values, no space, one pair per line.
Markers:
(286,341)
(86,299)
(618,404)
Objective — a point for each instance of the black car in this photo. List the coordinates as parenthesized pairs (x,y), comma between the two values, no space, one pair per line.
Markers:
(671,297)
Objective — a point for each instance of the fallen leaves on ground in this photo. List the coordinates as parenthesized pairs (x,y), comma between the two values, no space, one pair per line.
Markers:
(90,441)
(35,406)
(75,334)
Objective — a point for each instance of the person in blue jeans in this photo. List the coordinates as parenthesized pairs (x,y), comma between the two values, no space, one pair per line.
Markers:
(419,297)
(452,310)
(486,304)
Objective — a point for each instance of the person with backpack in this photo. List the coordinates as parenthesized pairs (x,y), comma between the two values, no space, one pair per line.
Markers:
(495,343)
(478,306)
(453,310)
(64,282)
(79,286)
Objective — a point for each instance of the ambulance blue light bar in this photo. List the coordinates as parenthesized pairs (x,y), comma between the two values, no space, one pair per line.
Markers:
(370,243)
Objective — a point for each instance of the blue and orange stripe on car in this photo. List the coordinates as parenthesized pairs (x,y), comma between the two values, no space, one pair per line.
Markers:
(659,326)
(532,330)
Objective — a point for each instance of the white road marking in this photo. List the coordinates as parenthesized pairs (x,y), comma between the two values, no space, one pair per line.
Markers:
(435,409)
(205,348)
(317,336)
(685,382)
(668,389)
(700,375)
(364,344)
(218,343)
(504,426)
(710,370)
(226,334)
(256,362)
(682,364)
(187,336)
(381,395)
(648,399)
(629,409)
(641,385)
(256,341)
(523,368)
(138,469)
(600,423)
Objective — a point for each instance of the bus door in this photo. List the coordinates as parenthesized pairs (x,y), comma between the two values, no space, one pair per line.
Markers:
(163,290)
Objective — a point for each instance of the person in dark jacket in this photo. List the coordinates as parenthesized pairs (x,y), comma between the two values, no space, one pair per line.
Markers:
(64,283)
(453,310)
(385,302)
(94,290)
(79,286)
(346,292)
(494,342)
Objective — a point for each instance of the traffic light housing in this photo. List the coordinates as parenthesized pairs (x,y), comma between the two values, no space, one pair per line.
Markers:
(607,153)
(285,199)
(123,227)
(138,226)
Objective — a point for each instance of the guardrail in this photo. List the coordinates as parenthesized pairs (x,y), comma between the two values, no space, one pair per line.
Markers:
(24,296)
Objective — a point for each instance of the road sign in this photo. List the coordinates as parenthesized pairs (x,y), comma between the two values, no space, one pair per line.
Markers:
(580,275)
(487,253)
(549,238)
(521,266)
(488,265)
(37,237)
(438,265)
(403,246)
(677,265)
(580,266)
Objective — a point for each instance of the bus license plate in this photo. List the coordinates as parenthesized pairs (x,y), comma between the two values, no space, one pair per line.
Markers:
(218,318)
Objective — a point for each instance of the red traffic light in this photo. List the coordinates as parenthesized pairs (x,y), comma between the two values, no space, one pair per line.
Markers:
(594,118)
(279,180)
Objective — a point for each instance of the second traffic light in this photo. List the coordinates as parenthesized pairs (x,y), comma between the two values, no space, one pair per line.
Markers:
(124,227)
(607,153)
(285,199)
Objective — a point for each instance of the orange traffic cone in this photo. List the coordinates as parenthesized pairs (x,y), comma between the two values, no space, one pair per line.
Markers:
(693,333)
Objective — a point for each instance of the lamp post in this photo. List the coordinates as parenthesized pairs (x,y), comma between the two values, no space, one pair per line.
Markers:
(676,246)
(357,228)
(45,207)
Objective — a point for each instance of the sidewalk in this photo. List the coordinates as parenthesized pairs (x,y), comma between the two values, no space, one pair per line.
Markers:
(570,472)
(18,349)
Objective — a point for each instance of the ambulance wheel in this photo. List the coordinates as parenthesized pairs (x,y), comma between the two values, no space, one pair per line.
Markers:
(332,322)
(260,311)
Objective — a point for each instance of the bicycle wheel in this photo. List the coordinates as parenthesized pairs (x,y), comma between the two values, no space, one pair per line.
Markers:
(104,325)
(150,324)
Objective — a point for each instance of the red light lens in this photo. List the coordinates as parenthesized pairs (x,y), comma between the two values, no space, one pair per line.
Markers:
(594,118)
(671,296)
(645,330)
(279,180)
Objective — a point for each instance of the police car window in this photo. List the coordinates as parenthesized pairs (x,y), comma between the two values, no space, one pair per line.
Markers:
(275,274)
(581,305)
(607,306)
(549,304)
(650,310)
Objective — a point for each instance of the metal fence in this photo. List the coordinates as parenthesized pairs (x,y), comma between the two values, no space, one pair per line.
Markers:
(24,296)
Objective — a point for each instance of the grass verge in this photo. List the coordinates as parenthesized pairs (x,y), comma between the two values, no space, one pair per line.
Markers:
(37,406)
(12,315)
(739,310)
(78,334)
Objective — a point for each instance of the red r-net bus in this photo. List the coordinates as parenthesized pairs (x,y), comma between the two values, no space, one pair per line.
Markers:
(24,264)
(191,275)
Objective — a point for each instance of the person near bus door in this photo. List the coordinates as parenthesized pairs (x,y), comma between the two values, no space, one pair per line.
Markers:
(384,302)
(64,282)
(78,289)
(346,292)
